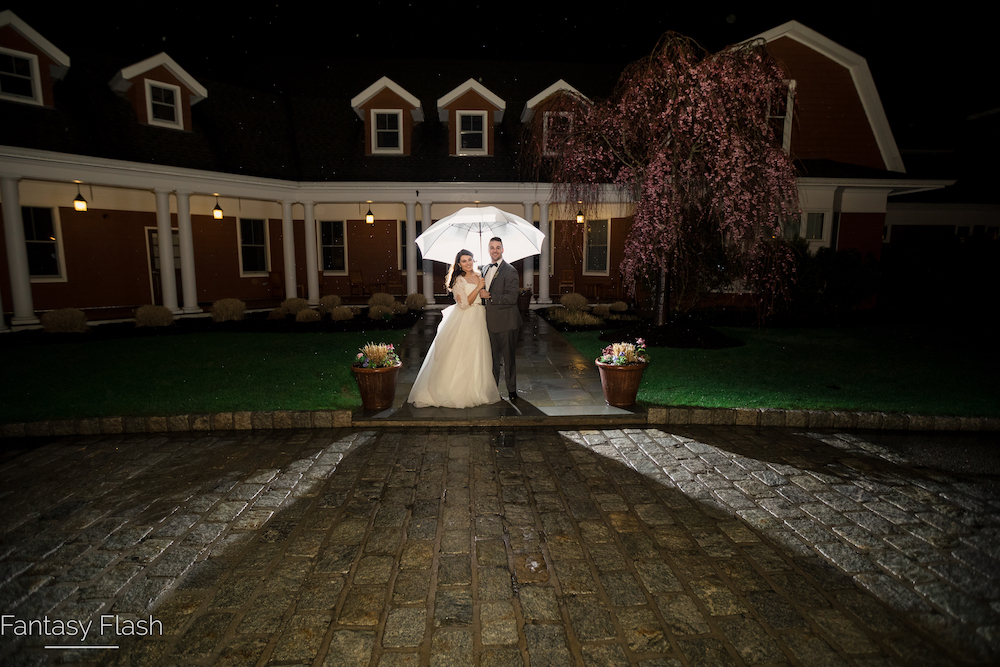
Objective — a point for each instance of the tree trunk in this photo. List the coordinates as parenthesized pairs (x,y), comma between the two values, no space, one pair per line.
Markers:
(663,296)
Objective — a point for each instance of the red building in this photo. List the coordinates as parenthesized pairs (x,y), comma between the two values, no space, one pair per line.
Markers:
(156,150)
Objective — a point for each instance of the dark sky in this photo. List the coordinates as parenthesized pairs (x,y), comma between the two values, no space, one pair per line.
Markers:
(932,67)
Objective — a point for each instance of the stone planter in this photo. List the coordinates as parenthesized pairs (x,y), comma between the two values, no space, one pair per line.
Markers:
(620,383)
(377,386)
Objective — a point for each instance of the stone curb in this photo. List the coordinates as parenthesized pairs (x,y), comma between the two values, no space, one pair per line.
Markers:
(655,415)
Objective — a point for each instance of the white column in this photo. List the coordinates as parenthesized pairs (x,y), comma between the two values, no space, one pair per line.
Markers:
(312,259)
(17,253)
(411,247)
(425,208)
(543,259)
(189,288)
(165,243)
(528,279)
(288,249)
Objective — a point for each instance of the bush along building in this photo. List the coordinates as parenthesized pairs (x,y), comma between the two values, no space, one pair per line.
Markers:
(131,183)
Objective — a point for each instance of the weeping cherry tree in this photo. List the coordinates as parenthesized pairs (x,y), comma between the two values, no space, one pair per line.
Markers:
(687,137)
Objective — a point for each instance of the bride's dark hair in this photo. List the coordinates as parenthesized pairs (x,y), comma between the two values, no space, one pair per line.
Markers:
(456,270)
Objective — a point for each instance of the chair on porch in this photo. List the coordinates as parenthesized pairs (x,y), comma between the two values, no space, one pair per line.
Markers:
(394,282)
(358,287)
(567,279)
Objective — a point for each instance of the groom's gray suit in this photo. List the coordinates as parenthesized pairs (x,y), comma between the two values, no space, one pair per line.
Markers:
(503,321)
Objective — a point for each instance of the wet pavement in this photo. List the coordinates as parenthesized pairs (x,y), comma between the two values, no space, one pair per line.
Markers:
(697,545)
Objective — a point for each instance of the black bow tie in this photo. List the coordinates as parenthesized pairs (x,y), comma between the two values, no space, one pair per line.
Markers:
(493,265)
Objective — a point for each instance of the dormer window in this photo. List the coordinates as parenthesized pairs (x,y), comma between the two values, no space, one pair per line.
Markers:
(29,63)
(160,91)
(387,131)
(382,107)
(163,105)
(18,73)
(471,111)
(556,128)
(472,138)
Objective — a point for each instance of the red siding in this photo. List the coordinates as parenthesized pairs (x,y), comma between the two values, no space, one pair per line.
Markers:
(861,231)
(829,120)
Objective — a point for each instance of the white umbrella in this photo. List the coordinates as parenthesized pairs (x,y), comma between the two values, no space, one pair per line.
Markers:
(472,228)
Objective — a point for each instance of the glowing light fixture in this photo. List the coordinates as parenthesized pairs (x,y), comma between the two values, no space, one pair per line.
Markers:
(79,203)
(369,216)
(579,216)
(217,211)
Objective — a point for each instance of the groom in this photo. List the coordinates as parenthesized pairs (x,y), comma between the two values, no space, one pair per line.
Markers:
(503,319)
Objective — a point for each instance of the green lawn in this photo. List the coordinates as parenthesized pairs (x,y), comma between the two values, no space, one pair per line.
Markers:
(179,374)
(861,369)
(864,368)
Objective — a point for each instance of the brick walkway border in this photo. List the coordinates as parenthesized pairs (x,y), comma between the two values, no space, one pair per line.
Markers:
(654,415)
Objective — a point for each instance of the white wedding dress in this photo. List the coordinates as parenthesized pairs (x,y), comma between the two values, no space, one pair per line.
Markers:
(458,369)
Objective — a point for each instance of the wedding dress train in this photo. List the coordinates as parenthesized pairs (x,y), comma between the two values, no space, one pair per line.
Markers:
(458,369)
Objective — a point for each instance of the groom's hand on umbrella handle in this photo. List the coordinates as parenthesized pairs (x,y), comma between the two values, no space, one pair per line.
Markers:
(484,294)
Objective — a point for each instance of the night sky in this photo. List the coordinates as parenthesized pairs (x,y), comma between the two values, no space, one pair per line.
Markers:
(933,68)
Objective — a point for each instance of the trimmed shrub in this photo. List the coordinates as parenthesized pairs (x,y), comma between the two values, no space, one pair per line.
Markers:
(278,313)
(153,316)
(328,303)
(228,310)
(574,301)
(381,299)
(378,312)
(341,313)
(65,320)
(293,306)
(416,301)
(398,307)
(307,315)
(618,307)
(601,310)
(578,318)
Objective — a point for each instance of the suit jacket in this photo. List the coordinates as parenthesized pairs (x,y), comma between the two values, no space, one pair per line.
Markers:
(502,313)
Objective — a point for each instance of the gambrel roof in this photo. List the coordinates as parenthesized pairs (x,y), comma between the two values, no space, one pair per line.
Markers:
(861,76)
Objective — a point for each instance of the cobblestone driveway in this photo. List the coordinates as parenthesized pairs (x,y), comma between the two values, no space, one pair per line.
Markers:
(693,546)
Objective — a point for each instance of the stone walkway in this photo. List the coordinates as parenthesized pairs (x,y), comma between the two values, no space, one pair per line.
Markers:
(534,546)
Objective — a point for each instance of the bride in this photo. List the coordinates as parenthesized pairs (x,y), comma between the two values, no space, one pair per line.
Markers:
(458,369)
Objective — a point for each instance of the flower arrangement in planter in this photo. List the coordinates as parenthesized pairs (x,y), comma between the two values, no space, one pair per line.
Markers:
(377,355)
(624,354)
(621,366)
(376,368)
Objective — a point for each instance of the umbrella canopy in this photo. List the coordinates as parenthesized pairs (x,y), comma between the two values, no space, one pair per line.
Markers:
(472,228)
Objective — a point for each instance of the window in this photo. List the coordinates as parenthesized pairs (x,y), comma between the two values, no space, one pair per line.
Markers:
(814,226)
(387,131)
(19,77)
(472,133)
(556,127)
(41,239)
(333,246)
(595,247)
(780,117)
(253,246)
(163,105)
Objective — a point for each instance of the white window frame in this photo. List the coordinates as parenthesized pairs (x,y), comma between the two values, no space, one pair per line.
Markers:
(586,259)
(178,105)
(485,150)
(398,113)
(545,129)
(823,241)
(786,129)
(61,276)
(319,249)
(267,248)
(36,80)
